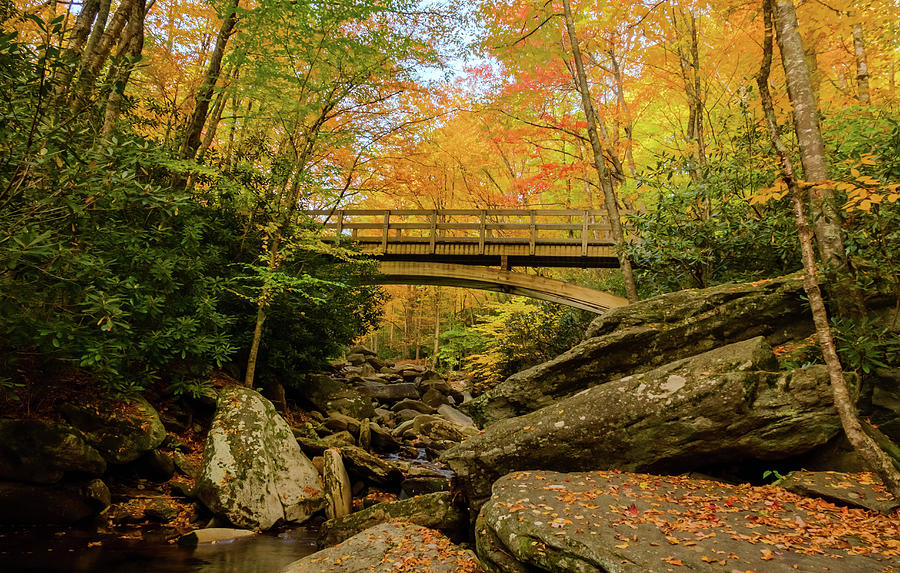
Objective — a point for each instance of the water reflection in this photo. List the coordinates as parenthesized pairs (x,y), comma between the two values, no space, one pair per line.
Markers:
(46,552)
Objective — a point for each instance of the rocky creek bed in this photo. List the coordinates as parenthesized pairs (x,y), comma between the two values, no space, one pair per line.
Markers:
(588,462)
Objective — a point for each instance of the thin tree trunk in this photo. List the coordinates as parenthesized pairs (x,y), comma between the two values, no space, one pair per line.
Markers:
(254,346)
(612,206)
(862,67)
(213,126)
(99,26)
(437,326)
(809,136)
(629,123)
(864,445)
(128,56)
(204,94)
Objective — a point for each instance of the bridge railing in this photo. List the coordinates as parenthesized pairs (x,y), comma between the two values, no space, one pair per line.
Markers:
(558,226)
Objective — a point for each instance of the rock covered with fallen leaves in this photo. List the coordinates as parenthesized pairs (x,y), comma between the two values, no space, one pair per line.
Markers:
(390,548)
(650,333)
(609,521)
(715,407)
(254,472)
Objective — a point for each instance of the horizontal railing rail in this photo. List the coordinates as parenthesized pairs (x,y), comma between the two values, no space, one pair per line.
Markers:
(484,226)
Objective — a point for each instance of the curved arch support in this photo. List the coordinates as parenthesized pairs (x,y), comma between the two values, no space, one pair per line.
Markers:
(444,274)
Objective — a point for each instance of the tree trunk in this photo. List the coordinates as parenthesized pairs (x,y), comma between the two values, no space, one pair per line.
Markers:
(612,206)
(864,445)
(121,73)
(809,136)
(437,327)
(629,123)
(204,94)
(862,67)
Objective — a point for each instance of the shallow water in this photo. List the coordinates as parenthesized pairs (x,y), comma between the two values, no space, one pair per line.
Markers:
(36,551)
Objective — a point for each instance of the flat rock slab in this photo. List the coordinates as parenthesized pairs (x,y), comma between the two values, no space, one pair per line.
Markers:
(857,490)
(613,522)
(390,548)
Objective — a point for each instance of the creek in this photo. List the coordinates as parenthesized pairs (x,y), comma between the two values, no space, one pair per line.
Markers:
(75,551)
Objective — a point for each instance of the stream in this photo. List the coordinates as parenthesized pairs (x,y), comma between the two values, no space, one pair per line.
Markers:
(75,551)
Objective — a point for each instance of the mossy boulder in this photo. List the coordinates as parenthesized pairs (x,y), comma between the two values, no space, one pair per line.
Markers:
(254,473)
(434,510)
(712,408)
(330,395)
(121,430)
(42,452)
(642,336)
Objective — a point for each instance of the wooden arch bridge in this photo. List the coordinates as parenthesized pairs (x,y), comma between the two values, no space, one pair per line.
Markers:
(477,248)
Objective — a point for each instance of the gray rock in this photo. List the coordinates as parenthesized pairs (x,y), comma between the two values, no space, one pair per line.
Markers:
(421,485)
(160,511)
(389,548)
(157,466)
(41,452)
(416,405)
(121,431)
(338,498)
(184,465)
(406,416)
(435,510)
(337,422)
(29,504)
(840,488)
(254,472)
(329,395)
(360,349)
(388,392)
(214,535)
(340,439)
(453,415)
(439,429)
(365,435)
(680,417)
(438,384)
(382,439)
(624,523)
(370,468)
(434,398)
(642,336)
(356,359)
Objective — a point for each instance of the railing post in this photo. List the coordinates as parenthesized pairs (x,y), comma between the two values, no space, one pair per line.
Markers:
(481,232)
(584,233)
(431,242)
(533,234)
(385,228)
(340,223)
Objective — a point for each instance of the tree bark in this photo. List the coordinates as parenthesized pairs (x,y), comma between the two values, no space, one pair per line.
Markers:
(195,125)
(865,446)
(128,55)
(862,67)
(612,206)
(809,136)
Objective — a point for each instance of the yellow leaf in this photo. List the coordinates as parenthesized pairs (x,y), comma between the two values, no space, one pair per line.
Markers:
(868,162)
(854,171)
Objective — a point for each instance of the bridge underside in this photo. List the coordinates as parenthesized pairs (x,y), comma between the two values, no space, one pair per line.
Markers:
(468,276)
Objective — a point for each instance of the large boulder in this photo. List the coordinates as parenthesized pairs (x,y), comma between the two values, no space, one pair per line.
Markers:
(614,522)
(42,452)
(120,430)
(330,395)
(647,334)
(371,468)
(254,472)
(390,548)
(29,504)
(434,510)
(683,416)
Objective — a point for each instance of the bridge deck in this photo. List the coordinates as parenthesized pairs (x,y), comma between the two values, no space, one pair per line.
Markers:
(499,237)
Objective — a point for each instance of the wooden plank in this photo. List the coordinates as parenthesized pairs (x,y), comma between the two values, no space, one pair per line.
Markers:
(584,234)
(481,230)
(434,215)
(387,226)
(532,235)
